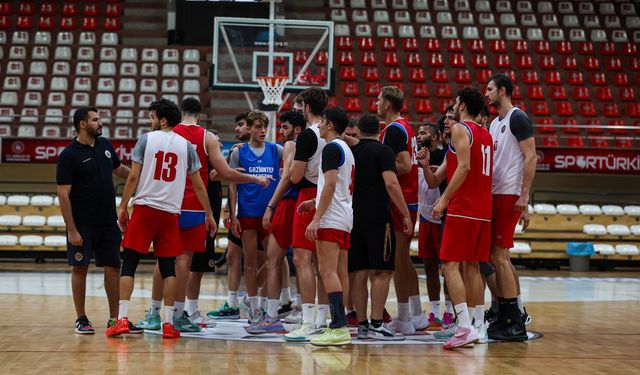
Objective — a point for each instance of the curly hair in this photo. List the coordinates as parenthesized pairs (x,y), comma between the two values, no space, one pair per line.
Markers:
(168,110)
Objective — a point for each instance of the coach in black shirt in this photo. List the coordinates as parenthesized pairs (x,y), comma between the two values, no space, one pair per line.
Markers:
(372,236)
(87,202)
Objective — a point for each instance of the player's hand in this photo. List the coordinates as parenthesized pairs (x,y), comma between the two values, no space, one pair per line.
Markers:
(423,156)
(439,207)
(213,174)
(123,219)
(524,219)
(75,238)
(236,229)
(211,224)
(266,218)
(237,145)
(307,206)
(264,181)
(522,204)
(407,226)
(312,230)
(349,140)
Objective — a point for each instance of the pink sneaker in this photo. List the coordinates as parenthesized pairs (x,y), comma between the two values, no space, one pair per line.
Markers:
(447,320)
(464,336)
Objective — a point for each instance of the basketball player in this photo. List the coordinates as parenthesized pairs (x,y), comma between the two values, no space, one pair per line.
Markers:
(399,135)
(283,202)
(257,158)
(351,135)
(161,162)
(467,233)
(297,104)
(332,223)
(304,172)
(514,167)
(372,238)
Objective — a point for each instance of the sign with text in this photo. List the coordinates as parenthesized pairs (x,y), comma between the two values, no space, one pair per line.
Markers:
(588,161)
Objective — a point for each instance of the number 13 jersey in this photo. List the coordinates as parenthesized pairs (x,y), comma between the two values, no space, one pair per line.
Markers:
(472,200)
(167,159)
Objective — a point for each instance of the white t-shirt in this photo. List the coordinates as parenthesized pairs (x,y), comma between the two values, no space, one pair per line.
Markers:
(311,171)
(339,214)
(427,198)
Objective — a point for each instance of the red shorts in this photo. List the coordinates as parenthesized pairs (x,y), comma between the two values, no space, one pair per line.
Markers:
(253,223)
(465,240)
(301,221)
(429,240)
(342,238)
(396,219)
(505,219)
(194,239)
(148,225)
(282,222)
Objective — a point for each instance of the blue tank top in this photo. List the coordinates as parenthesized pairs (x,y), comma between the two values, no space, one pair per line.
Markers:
(253,198)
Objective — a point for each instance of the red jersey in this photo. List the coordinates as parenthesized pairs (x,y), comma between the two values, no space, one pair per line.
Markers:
(472,200)
(196,135)
(408,182)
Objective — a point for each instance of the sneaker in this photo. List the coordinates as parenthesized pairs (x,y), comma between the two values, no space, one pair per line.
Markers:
(406,328)
(285,310)
(352,319)
(434,323)
(135,329)
(151,322)
(295,316)
(266,325)
(301,333)
(446,333)
(183,324)
(225,312)
(507,331)
(202,321)
(332,337)
(386,318)
(83,326)
(490,316)
(169,331)
(385,333)
(463,337)
(256,316)
(447,320)
(244,304)
(526,318)
(120,327)
(420,322)
(363,332)
(481,331)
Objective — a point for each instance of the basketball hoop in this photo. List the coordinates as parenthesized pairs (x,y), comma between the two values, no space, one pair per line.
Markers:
(272,88)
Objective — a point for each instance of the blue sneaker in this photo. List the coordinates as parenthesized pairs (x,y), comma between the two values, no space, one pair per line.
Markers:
(150,322)
(266,325)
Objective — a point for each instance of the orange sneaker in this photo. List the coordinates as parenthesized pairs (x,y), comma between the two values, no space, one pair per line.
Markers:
(169,331)
(119,327)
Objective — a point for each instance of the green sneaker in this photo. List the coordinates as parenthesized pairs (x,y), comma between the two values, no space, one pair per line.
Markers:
(225,312)
(446,334)
(183,324)
(332,337)
(150,322)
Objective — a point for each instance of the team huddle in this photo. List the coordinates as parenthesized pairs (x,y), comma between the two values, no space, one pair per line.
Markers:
(346,196)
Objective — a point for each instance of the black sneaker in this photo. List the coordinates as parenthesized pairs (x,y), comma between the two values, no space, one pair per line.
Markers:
(135,329)
(285,310)
(83,326)
(490,316)
(508,331)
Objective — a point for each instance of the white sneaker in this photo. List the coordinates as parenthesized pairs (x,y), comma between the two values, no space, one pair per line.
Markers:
(245,305)
(202,321)
(399,326)
(420,322)
(384,332)
(301,333)
(295,317)
(481,330)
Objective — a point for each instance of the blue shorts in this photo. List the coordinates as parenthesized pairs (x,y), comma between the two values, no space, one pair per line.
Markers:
(102,242)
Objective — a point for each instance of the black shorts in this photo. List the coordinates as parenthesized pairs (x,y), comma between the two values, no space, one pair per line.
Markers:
(373,247)
(205,262)
(101,242)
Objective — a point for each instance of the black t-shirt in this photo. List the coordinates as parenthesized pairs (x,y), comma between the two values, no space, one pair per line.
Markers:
(306,145)
(437,158)
(370,198)
(520,125)
(89,172)
(396,139)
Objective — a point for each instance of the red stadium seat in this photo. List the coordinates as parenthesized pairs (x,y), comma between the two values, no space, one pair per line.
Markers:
(512,76)
(69,9)
(480,61)
(483,75)
(432,45)
(569,63)
(575,141)
(371,74)
(68,23)
(90,10)
(346,58)
(365,43)
(591,63)
(624,142)
(520,47)
(535,92)
(435,60)
(497,46)
(333,102)
(569,126)
(322,58)
(443,90)
(476,46)
(300,57)
(463,76)
(89,24)
(27,8)
(550,141)
(113,10)
(344,43)
(347,73)
(423,106)
(540,109)
(419,90)
(369,58)
(520,104)
(604,94)
(564,109)
(45,23)
(558,92)
(614,129)
(634,64)
(24,22)
(595,126)
(457,60)
(416,75)
(552,78)
(613,64)
(524,62)
(626,94)
(350,89)
(48,9)
(608,49)
(545,125)
(599,142)
(542,47)
(372,89)
(598,79)
(439,75)
(372,106)
(530,77)
(629,49)
(112,24)
(412,59)
(587,109)
(620,79)
(389,44)
(516,93)
(585,48)
(393,74)
(575,79)
(5,8)
(410,44)
(454,45)
(564,48)
(5,22)
(503,62)
(581,94)
(633,110)
(547,63)
(611,110)
(352,105)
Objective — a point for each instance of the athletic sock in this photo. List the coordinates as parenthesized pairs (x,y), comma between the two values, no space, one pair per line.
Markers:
(376,323)
(285,296)
(254,302)
(123,308)
(472,313)
(307,312)
(168,314)
(512,312)
(263,302)
(494,305)
(272,307)
(155,307)
(448,307)
(463,315)
(416,305)
(479,316)
(434,306)
(403,312)
(298,299)
(178,307)
(192,306)
(520,305)
(232,298)
(338,318)
(321,315)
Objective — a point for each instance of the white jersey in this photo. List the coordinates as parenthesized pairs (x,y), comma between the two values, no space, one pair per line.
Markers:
(166,159)
(339,214)
(508,160)
(311,171)
(427,198)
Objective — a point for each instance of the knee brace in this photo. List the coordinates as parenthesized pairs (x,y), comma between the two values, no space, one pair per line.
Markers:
(130,260)
(167,267)
(487,269)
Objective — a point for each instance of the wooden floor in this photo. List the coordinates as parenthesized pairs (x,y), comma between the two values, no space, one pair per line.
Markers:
(583,337)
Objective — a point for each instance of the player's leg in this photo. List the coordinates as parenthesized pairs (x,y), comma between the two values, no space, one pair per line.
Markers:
(230,309)
(167,268)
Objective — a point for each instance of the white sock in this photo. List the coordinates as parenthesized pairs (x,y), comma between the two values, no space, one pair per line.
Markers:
(403,312)
(178,307)
(416,305)
(232,298)
(463,315)
(272,307)
(192,306)
(123,309)
(254,302)
(285,296)
(168,314)
(434,306)
(298,300)
(263,303)
(321,315)
(260,291)
(448,307)
(155,307)
(307,312)
(479,316)
(472,313)
(520,305)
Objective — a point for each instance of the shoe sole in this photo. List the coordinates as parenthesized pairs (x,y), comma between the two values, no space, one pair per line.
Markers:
(510,339)
(387,338)
(228,317)
(464,345)
(340,343)
(150,328)
(296,339)
(136,332)
(84,332)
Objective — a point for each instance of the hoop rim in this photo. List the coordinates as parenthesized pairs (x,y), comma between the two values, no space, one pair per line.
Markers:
(272,80)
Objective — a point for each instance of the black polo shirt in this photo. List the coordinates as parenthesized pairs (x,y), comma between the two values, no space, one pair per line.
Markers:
(89,172)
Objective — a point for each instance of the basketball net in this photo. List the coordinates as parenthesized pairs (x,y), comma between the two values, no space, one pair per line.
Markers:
(272,88)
